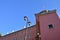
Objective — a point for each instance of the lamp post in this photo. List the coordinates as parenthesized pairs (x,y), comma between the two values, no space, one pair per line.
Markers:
(0,35)
(27,24)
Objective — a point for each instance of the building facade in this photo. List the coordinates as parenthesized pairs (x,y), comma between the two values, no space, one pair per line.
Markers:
(49,23)
(47,27)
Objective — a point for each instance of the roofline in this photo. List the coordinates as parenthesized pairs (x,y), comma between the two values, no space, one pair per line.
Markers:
(18,31)
(39,14)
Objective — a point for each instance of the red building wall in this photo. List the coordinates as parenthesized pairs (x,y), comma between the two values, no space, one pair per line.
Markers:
(20,35)
(46,32)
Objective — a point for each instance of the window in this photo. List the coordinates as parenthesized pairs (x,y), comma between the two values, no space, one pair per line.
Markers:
(28,35)
(50,26)
(15,39)
(20,37)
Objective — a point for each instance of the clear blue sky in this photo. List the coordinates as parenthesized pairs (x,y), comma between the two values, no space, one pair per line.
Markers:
(13,11)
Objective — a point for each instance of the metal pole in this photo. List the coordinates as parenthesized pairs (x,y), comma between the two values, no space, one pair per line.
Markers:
(27,23)
(26,32)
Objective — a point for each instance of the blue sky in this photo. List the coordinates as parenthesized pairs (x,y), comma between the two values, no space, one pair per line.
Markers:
(13,11)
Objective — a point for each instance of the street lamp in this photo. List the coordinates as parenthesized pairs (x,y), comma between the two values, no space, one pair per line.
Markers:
(27,24)
(25,18)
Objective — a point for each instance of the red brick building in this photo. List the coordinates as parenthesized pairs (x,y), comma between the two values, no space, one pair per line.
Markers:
(47,28)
